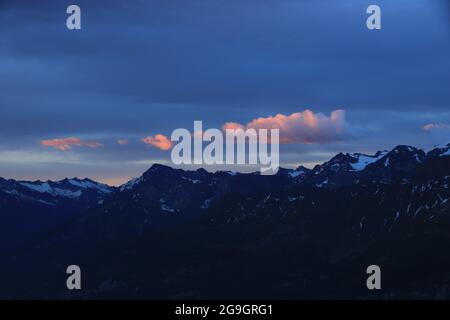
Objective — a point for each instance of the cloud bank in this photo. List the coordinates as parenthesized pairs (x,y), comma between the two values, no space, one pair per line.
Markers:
(304,127)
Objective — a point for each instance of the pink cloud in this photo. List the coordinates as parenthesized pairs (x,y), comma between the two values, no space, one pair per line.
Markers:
(301,127)
(233,126)
(65,144)
(122,142)
(159,141)
(434,126)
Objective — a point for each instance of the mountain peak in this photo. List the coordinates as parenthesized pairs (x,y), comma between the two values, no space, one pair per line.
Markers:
(443,150)
(158,166)
(404,149)
(302,168)
(202,171)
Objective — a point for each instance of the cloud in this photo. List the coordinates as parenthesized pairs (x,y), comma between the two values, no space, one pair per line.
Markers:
(122,142)
(64,144)
(159,141)
(437,133)
(31,157)
(233,126)
(436,126)
(302,127)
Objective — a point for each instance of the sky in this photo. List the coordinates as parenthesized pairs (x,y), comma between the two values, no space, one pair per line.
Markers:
(99,102)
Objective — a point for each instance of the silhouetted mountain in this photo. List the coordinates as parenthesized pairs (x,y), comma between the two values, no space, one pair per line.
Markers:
(298,234)
(439,151)
(28,207)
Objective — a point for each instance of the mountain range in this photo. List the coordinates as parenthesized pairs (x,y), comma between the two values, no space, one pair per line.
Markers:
(171,233)
(29,207)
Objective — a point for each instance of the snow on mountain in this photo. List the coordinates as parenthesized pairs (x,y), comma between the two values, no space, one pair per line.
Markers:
(324,182)
(29,207)
(68,188)
(401,158)
(165,207)
(46,188)
(40,187)
(130,184)
(363,160)
(439,151)
(295,174)
(89,184)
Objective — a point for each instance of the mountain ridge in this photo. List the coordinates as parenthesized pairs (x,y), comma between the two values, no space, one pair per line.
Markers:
(302,233)
(435,151)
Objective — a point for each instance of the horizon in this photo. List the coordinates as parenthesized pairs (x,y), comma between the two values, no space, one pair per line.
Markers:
(247,169)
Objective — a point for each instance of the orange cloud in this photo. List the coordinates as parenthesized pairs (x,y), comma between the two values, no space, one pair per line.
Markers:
(159,141)
(232,126)
(301,127)
(432,126)
(65,144)
(122,141)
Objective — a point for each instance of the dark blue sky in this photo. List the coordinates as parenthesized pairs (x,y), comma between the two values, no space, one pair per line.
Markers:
(140,68)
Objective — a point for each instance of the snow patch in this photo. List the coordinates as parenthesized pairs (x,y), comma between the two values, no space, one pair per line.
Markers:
(87,184)
(130,184)
(46,188)
(42,188)
(320,185)
(364,160)
(295,174)
(165,207)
